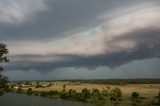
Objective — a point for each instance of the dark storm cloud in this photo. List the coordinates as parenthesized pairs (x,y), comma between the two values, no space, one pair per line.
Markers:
(62,16)
(113,60)
(148,46)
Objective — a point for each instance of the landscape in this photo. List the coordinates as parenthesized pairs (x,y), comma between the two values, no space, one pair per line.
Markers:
(142,92)
(79,53)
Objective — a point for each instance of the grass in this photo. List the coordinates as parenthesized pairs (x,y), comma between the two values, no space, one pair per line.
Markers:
(146,90)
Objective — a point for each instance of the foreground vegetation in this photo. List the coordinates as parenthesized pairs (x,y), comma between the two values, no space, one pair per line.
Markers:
(3,59)
(97,94)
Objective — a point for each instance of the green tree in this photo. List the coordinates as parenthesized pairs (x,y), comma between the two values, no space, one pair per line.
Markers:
(86,93)
(3,59)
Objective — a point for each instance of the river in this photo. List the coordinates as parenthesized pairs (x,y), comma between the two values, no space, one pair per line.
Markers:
(12,99)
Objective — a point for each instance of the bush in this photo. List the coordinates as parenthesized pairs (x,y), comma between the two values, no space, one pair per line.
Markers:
(29,91)
(3,83)
(79,97)
(72,93)
(44,94)
(115,94)
(50,93)
(86,93)
(135,95)
(105,93)
(95,92)
(19,90)
(64,95)
(136,100)
(156,100)
(36,93)
(99,98)
(39,86)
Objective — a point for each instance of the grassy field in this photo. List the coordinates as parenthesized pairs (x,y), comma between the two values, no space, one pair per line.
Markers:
(146,90)
(148,94)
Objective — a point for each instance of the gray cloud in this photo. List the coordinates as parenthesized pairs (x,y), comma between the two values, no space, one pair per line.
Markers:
(60,17)
(113,60)
(148,46)
(105,34)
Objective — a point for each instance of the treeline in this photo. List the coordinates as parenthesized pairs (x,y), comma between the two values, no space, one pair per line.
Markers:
(120,81)
(106,81)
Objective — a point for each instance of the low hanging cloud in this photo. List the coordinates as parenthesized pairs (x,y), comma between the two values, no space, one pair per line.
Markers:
(147,47)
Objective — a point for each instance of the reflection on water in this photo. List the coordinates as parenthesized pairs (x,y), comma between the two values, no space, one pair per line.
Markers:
(11,99)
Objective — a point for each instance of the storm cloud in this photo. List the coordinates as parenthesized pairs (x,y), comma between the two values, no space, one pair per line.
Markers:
(43,19)
(50,35)
(147,46)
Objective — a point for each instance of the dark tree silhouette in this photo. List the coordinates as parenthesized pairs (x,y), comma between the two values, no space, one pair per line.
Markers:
(3,59)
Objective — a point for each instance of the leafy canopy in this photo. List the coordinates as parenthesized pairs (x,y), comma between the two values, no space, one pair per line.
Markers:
(3,59)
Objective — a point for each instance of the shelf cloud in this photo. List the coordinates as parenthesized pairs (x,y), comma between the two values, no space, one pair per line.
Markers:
(47,35)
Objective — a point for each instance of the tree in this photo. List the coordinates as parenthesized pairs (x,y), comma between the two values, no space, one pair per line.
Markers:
(115,94)
(3,52)
(135,99)
(98,98)
(3,59)
(64,87)
(72,93)
(86,93)
(19,90)
(29,91)
(135,95)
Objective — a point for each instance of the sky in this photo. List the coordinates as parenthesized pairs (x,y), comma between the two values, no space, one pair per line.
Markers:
(81,39)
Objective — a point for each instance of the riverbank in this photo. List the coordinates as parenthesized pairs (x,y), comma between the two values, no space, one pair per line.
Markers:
(97,93)
(14,99)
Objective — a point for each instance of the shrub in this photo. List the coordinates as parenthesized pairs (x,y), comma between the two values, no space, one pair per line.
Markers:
(135,95)
(29,91)
(50,93)
(44,94)
(86,93)
(37,93)
(39,86)
(64,95)
(105,93)
(115,94)
(79,97)
(95,92)
(19,90)
(72,93)
(98,98)
(156,100)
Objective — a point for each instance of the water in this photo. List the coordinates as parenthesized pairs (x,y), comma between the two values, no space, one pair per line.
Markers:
(12,99)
